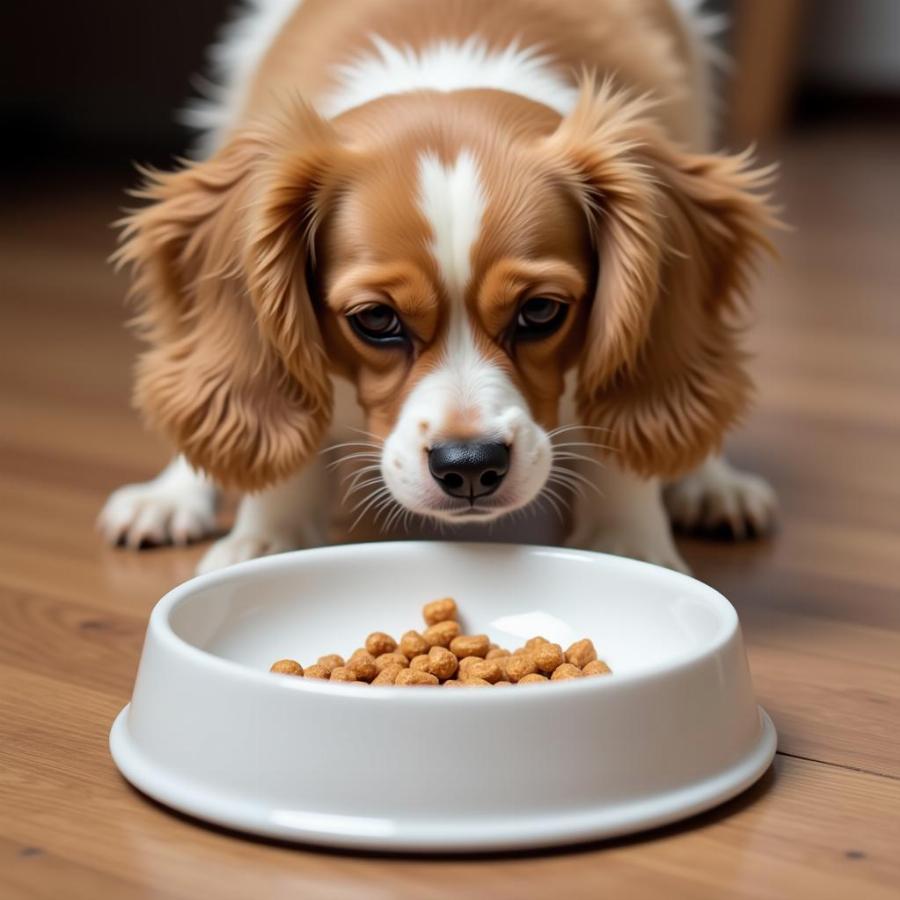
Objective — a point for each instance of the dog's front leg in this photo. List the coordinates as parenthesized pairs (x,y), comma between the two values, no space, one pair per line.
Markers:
(623,515)
(288,516)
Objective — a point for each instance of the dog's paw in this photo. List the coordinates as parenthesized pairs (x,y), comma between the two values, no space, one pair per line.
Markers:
(717,499)
(154,513)
(235,548)
(634,541)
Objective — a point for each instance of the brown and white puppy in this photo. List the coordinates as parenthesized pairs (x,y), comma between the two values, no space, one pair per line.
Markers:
(490,235)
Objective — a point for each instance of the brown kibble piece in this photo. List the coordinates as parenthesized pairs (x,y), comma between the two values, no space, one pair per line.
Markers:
(378,642)
(441,634)
(420,662)
(343,673)
(519,666)
(470,645)
(476,682)
(442,663)
(487,670)
(415,677)
(363,666)
(504,683)
(316,671)
(596,667)
(439,611)
(466,663)
(390,659)
(581,653)
(531,643)
(566,671)
(497,653)
(452,682)
(413,644)
(331,662)
(533,678)
(388,675)
(287,667)
(547,657)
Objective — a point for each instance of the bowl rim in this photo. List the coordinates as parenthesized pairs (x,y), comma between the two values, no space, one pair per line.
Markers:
(160,625)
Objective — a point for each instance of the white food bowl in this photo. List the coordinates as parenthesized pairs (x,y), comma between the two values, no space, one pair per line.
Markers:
(673,731)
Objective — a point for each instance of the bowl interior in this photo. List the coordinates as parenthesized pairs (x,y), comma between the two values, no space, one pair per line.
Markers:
(306,604)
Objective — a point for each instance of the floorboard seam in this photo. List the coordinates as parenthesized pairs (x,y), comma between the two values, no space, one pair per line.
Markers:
(835,765)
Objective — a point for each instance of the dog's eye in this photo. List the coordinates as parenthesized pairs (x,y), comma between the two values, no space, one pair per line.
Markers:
(378,325)
(539,316)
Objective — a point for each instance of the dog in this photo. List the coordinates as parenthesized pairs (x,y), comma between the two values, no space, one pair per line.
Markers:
(480,250)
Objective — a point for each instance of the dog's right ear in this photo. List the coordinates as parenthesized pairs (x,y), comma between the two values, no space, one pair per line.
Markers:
(235,373)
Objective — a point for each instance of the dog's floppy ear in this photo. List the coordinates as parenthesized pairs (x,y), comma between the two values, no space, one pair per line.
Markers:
(676,234)
(235,373)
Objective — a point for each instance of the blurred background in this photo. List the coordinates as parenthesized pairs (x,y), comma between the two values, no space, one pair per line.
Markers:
(103,83)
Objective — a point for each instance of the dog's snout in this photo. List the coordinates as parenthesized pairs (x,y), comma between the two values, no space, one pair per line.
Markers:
(469,469)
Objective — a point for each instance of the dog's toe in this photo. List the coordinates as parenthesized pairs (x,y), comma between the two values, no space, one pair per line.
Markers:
(719,499)
(237,548)
(140,515)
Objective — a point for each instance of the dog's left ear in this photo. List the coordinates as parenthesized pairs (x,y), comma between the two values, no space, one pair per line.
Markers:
(676,234)
(236,371)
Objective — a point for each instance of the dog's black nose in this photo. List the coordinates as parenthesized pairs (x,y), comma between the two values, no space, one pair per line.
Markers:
(469,469)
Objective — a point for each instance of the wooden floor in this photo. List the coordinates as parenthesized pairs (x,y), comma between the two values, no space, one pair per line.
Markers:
(820,602)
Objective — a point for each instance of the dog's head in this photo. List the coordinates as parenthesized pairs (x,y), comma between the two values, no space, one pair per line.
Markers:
(454,261)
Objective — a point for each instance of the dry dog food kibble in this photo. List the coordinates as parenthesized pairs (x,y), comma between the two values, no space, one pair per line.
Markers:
(287,667)
(470,645)
(443,655)
(596,667)
(390,659)
(378,643)
(439,611)
(441,634)
(413,644)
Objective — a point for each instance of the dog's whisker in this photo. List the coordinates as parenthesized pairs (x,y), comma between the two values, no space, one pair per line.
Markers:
(364,456)
(572,476)
(378,439)
(576,477)
(380,508)
(353,444)
(562,429)
(372,495)
(407,521)
(568,454)
(556,502)
(560,467)
(361,486)
(361,472)
(369,501)
(395,517)
(576,487)
(358,487)
(570,487)
(581,444)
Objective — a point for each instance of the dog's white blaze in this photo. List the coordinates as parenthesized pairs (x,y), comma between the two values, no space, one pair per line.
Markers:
(450,65)
(452,200)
